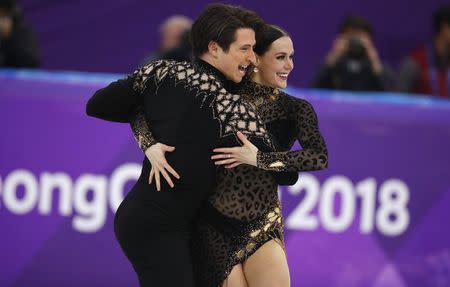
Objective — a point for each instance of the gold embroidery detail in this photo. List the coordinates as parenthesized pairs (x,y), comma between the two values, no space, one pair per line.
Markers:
(255,233)
(276,164)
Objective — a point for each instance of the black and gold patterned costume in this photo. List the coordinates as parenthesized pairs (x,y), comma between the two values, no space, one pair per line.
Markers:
(187,106)
(243,212)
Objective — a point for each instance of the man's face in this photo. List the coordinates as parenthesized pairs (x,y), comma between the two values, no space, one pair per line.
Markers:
(234,63)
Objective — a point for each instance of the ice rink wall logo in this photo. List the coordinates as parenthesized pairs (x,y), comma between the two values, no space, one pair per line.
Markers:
(86,198)
(376,206)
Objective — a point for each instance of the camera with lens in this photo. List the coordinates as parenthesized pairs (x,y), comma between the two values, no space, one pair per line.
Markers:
(356,49)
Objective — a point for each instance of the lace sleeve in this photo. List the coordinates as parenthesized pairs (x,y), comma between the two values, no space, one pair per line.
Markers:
(312,156)
(141,131)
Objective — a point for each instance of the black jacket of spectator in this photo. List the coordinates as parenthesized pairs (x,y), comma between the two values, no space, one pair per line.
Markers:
(20,49)
(354,75)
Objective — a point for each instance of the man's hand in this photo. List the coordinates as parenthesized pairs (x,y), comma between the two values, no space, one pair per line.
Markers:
(234,156)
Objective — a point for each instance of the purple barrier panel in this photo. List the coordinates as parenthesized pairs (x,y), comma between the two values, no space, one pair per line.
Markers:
(377,217)
(65,237)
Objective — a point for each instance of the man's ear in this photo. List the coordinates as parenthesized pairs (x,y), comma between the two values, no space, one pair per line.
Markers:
(213,48)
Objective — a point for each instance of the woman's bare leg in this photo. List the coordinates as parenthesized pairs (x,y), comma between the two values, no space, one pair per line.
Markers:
(236,278)
(267,267)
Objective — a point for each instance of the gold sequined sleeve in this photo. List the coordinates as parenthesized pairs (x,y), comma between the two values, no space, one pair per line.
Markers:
(141,131)
(312,156)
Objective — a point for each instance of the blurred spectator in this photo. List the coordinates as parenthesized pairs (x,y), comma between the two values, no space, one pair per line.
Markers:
(18,47)
(182,52)
(426,70)
(174,43)
(353,62)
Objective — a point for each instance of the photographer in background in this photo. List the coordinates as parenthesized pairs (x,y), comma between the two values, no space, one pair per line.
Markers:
(427,69)
(353,62)
(18,47)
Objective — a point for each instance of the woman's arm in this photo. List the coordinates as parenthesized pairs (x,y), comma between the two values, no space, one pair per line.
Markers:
(141,131)
(154,151)
(312,156)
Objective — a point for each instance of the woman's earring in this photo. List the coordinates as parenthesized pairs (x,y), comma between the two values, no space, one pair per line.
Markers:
(255,69)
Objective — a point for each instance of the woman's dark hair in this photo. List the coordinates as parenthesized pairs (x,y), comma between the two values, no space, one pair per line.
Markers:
(265,38)
(218,23)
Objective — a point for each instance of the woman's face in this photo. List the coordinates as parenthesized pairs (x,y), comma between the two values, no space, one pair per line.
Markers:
(276,64)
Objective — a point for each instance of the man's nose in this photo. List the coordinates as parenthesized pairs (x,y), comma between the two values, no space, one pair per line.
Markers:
(251,57)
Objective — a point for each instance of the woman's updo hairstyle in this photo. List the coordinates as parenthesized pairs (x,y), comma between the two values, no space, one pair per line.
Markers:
(267,35)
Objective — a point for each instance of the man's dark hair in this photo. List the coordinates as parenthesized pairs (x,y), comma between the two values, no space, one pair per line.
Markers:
(266,36)
(218,23)
(357,23)
(440,17)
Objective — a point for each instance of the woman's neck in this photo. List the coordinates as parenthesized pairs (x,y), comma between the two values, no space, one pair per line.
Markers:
(256,77)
